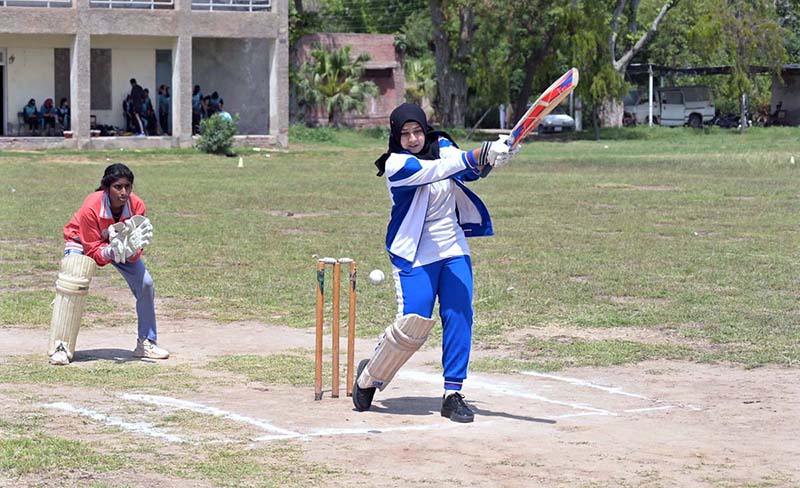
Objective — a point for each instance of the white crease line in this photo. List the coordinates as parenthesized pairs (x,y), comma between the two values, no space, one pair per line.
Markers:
(356,431)
(213,411)
(650,409)
(614,390)
(503,388)
(580,414)
(139,427)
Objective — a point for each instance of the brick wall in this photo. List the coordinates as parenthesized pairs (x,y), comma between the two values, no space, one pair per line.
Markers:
(385,69)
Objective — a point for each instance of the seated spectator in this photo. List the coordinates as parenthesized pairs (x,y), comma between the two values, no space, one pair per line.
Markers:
(213,102)
(222,113)
(48,115)
(31,116)
(63,113)
(205,108)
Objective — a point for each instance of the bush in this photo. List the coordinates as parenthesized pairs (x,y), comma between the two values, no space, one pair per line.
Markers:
(301,133)
(216,134)
(381,133)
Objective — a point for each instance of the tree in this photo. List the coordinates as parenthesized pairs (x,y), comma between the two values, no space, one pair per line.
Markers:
(420,85)
(419,66)
(626,39)
(601,85)
(789,18)
(370,16)
(745,34)
(332,80)
(519,51)
(452,52)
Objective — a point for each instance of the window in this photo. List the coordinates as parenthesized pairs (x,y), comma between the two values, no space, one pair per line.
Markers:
(100,79)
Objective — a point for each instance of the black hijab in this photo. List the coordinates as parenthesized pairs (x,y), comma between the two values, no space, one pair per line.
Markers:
(410,112)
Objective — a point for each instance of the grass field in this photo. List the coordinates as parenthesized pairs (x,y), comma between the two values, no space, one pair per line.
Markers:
(689,238)
(688,232)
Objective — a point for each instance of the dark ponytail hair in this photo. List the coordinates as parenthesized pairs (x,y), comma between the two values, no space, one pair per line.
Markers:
(113,173)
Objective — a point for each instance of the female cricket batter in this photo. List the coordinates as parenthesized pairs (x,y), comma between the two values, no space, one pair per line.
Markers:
(87,234)
(432,214)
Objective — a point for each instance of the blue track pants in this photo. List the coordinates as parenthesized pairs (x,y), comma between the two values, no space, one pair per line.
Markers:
(451,281)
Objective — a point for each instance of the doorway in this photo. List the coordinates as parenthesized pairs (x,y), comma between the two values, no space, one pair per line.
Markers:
(2,92)
(163,77)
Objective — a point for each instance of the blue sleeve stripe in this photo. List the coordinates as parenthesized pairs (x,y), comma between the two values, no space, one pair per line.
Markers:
(469,160)
(411,166)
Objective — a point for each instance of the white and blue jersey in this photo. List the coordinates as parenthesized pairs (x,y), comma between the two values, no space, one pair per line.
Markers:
(413,183)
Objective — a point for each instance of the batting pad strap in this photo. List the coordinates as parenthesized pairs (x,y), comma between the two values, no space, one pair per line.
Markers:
(398,343)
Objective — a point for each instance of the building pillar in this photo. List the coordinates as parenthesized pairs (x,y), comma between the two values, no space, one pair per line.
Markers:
(278,122)
(80,81)
(182,91)
(182,76)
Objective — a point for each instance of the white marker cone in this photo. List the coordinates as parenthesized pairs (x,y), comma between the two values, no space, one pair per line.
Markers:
(241,162)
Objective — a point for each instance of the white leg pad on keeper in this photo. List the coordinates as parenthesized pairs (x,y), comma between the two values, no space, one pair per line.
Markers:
(72,286)
(398,343)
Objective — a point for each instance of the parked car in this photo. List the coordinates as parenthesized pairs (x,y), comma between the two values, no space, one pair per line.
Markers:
(555,122)
(672,106)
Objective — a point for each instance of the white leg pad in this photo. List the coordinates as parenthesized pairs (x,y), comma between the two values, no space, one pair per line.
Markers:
(72,286)
(398,343)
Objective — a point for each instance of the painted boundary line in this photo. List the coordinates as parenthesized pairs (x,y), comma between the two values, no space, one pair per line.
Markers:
(275,433)
(516,390)
(614,390)
(138,427)
(504,389)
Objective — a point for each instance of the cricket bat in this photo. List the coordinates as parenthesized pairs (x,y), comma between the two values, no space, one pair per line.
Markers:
(547,101)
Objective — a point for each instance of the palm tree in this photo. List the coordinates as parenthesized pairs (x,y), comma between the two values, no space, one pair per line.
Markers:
(331,80)
(420,83)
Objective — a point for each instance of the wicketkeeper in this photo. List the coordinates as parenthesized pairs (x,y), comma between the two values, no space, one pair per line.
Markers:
(109,228)
(433,212)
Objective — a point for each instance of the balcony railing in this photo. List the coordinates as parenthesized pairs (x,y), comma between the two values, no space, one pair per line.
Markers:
(134,4)
(232,5)
(36,3)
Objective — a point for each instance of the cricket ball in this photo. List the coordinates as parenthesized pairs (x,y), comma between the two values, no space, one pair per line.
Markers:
(376,276)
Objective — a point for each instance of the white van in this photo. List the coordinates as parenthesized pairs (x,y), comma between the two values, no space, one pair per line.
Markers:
(672,106)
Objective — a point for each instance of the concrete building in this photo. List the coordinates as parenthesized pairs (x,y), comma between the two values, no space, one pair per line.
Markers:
(385,69)
(88,50)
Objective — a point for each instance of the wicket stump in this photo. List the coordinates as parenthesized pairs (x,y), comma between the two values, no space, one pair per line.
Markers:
(351,326)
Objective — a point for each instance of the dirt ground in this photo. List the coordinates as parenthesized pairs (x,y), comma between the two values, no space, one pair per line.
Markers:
(653,424)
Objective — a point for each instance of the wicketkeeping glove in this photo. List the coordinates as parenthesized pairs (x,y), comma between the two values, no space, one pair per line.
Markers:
(140,232)
(115,251)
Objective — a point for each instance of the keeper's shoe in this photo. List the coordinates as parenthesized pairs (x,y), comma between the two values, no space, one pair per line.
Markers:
(362,397)
(145,348)
(454,408)
(59,356)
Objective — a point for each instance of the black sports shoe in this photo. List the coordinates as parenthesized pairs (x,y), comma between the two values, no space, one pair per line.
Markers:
(362,397)
(454,408)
